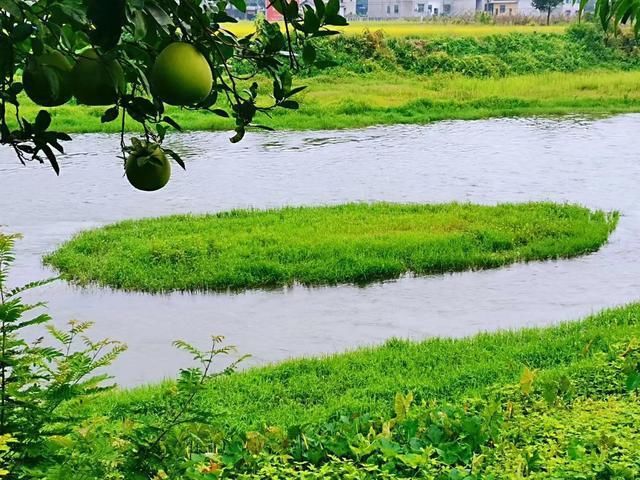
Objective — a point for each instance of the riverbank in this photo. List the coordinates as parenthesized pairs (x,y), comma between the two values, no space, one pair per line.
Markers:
(498,404)
(354,243)
(377,78)
(354,101)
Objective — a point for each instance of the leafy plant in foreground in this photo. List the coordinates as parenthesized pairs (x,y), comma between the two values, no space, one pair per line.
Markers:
(37,379)
(43,430)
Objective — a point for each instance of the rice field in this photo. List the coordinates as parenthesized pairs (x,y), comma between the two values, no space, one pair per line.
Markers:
(406,29)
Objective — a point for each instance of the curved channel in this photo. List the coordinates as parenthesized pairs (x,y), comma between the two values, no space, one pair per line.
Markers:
(591,162)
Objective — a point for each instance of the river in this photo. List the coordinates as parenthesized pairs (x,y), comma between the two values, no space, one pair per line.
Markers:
(591,162)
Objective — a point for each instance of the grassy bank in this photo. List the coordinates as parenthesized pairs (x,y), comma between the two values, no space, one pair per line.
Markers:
(354,243)
(353,101)
(366,380)
(373,79)
(534,403)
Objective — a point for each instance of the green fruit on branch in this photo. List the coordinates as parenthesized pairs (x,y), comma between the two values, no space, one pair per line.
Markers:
(181,75)
(47,79)
(147,167)
(97,80)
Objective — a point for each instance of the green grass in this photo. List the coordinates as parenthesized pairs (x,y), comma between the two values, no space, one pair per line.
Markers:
(309,391)
(354,243)
(539,403)
(350,101)
(372,79)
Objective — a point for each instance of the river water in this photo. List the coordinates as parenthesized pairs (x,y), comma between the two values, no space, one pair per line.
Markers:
(591,162)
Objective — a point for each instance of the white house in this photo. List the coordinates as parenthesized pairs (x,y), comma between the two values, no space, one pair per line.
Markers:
(387,9)
(399,9)
(348,8)
(462,7)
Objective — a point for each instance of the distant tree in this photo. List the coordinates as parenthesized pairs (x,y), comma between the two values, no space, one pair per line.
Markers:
(546,6)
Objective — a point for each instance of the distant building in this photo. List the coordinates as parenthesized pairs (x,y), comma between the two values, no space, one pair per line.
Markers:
(389,9)
(503,7)
(457,8)
(399,9)
(348,8)
(524,7)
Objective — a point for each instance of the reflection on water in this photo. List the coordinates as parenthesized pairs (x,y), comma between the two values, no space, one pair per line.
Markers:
(588,162)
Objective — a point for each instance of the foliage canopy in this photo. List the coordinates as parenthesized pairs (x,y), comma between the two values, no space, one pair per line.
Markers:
(123,38)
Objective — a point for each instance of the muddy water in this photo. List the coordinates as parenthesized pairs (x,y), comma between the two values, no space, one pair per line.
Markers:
(593,163)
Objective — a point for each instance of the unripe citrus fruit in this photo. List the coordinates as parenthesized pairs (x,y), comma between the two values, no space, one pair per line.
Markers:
(147,168)
(97,80)
(181,75)
(47,79)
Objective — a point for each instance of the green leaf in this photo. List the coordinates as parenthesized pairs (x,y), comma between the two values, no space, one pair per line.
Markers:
(52,158)
(43,120)
(12,8)
(633,381)
(15,89)
(172,122)
(239,4)
(308,53)
(278,5)
(110,115)
(175,157)
(332,9)
(22,32)
(603,13)
(336,20)
(319,4)
(292,9)
(262,127)
(311,20)
(37,46)
(140,25)
(292,92)
(240,132)
(108,18)
(278,91)
(290,104)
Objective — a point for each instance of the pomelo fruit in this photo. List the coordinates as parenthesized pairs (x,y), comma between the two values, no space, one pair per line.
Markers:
(47,79)
(181,75)
(97,80)
(147,168)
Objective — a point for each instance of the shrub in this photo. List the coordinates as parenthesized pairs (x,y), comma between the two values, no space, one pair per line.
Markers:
(43,432)
(583,46)
(37,380)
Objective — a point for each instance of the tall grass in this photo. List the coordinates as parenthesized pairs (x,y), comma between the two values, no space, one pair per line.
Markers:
(350,101)
(356,243)
(373,79)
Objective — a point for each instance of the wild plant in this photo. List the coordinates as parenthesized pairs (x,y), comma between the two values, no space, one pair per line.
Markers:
(38,379)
